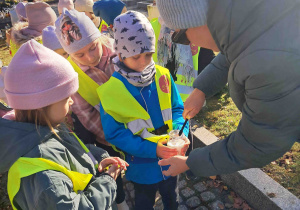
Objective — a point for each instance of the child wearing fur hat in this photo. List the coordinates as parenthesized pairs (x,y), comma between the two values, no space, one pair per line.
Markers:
(49,168)
(139,106)
(39,16)
(86,6)
(51,41)
(17,14)
(91,56)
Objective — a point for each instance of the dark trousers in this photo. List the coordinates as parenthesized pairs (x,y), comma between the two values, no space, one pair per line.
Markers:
(145,194)
(89,138)
(205,57)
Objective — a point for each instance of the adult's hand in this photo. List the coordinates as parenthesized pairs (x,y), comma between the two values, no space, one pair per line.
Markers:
(177,165)
(193,104)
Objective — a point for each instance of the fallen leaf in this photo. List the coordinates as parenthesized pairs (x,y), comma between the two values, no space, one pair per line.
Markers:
(236,206)
(287,161)
(273,163)
(271,195)
(230,198)
(221,206)
(225,187)
(246,206)
(213,177)
(238,201)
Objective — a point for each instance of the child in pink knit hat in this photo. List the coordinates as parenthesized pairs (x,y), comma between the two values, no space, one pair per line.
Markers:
(49,167)
(39,16)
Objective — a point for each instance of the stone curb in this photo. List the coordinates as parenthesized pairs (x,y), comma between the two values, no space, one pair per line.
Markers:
(256,187)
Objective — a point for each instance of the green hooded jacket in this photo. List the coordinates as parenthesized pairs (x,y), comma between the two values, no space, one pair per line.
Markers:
(52,189)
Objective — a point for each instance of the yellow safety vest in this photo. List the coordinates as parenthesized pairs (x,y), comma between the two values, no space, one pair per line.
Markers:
(135,118)
(181,79)
(156,26)
(24,167)
(14,49)
(87,86)
(103,27)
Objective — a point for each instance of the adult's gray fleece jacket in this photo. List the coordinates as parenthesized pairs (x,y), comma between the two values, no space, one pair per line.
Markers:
(260,60)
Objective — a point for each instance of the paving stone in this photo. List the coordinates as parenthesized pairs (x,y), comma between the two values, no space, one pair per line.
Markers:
(159,202)
(181,184)
(207,196)
(201,208)
(200,187)
(193,202)
(158,205)
(132,194)
(228,205)
(129,204)
(129,186)
(216,205)
(180,199)
(187,192)
(182,207)
(124,179)
(126,196)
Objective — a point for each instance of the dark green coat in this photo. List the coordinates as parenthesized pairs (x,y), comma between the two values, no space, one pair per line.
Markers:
(52,189)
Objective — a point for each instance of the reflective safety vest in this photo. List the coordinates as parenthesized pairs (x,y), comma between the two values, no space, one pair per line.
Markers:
(103,28)
(87,86)
(114,93)
(24,167)
(156,26)
(184,86)
(14,49)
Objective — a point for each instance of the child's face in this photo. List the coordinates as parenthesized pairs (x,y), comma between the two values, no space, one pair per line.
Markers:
(57,112)
(90,55)
(138,62)
(62,52)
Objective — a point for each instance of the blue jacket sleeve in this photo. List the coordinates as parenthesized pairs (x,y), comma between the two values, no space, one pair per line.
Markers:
(177,109)
(116,134)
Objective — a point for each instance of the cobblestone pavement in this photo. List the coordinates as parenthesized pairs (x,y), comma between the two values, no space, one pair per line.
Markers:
(198,194)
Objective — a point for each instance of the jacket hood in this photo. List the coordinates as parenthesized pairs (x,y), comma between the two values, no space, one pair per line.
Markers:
(17,139)
(18,37)
(235,25)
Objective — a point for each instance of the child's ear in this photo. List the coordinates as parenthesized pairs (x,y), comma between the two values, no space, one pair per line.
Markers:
(120,58)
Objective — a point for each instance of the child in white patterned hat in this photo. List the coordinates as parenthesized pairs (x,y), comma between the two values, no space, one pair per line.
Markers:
(139,106)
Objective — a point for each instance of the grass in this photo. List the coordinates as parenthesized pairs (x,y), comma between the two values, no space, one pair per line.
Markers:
(221,117)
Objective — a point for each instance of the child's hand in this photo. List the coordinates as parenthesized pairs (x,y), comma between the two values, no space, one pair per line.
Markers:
(185,146)
(165,152)
(114,171)
(114,161)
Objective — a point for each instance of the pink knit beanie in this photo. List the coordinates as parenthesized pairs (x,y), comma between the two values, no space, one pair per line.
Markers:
(39,15)
(38,77)
(21,12)
(68,4)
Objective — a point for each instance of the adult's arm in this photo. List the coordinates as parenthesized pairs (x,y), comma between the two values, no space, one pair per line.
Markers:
(270,116)
(214,77)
